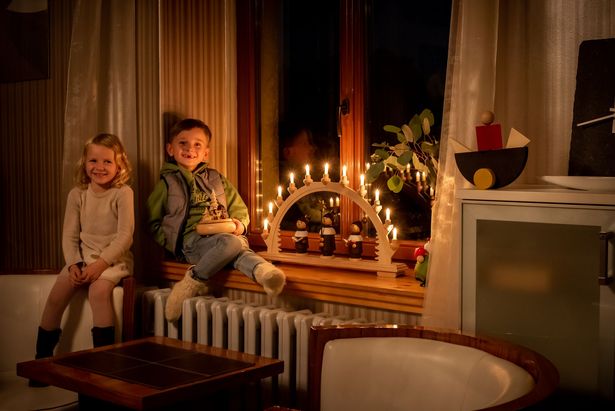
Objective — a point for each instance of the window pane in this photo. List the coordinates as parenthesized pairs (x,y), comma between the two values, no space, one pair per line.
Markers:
(299,88)
(407,54)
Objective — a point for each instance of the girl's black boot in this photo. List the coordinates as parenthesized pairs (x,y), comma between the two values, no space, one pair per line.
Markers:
(46,342)
(103,336)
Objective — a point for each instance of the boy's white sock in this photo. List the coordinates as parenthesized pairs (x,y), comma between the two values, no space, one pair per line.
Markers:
(270,277)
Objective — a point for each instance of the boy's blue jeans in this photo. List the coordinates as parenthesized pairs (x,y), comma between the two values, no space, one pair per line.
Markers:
(210,254)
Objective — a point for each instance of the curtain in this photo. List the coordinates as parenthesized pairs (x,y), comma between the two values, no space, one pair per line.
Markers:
(101,89)
(517,58)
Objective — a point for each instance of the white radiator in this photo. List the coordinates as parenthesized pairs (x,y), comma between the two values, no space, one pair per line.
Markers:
(263,330)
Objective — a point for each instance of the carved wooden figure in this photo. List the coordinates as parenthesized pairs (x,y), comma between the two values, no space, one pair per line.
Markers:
(327,236)
(301,236)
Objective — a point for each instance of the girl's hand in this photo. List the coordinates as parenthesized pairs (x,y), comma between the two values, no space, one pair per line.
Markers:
(238,227)
(94,270)
(75,275)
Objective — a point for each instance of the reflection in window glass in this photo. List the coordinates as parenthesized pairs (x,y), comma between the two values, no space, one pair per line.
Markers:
(407,58)
(299,81)
(299,94)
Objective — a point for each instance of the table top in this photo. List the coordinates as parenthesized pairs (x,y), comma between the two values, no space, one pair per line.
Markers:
(150,372)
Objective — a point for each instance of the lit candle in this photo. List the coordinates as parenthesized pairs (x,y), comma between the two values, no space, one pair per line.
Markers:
(271,207)
(279,200)
(331,202)
(362,190)
(307,180)
(265,225)
(337,201)
(408,168)
(387,213)
(325,178)
(423,176)
(418,176)
(344,178)
(377,196)
(431,192)
(394,233)
(292,187)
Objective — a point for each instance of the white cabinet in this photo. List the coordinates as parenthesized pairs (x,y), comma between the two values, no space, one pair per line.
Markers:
(531,263)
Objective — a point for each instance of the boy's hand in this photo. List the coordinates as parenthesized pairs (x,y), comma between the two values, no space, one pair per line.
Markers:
(94,270)
(239,228)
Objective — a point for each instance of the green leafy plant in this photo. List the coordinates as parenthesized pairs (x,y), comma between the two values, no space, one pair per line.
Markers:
(416,150)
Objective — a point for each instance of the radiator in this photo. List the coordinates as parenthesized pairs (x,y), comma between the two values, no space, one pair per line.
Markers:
(264,330)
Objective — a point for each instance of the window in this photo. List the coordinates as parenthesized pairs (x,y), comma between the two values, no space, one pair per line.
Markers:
(328,76)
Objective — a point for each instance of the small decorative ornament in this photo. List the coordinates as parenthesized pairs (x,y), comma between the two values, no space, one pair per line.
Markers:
(422,263)
(301,236)
(215,219)
(327,236)
(492,166)
(354,242)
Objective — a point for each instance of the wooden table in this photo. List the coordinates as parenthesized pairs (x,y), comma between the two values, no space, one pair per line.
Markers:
(150,373)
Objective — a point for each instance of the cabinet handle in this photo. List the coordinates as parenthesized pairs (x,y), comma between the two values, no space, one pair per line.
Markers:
(603,275)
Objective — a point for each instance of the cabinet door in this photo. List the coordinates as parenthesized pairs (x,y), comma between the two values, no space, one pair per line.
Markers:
(530,276)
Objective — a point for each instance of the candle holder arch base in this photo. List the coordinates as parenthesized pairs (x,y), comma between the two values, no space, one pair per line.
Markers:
(383,264)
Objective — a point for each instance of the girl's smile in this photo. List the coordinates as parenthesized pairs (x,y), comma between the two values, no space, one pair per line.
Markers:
(100,167)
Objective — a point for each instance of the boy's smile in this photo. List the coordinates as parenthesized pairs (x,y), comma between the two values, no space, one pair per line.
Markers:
(189,148)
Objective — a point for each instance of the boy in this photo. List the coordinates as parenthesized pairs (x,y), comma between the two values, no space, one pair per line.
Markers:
(176,206)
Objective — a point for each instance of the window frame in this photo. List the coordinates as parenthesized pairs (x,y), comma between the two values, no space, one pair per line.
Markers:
(352,89)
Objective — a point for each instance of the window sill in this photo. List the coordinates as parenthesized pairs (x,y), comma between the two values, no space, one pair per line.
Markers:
(403,294)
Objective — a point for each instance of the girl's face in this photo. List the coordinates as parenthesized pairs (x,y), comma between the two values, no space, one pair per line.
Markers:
(100,166)
(189,148)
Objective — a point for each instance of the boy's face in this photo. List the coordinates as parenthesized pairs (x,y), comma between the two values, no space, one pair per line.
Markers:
(189,148)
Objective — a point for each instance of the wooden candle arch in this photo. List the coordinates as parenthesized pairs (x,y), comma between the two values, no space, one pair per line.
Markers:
(383,264)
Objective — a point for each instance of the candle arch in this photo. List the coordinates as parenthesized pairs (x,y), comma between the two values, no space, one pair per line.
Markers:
(383,264)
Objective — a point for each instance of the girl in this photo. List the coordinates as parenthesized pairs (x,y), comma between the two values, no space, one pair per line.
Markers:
(96,240)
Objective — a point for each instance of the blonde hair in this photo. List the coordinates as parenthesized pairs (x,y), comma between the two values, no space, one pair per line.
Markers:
(112,142)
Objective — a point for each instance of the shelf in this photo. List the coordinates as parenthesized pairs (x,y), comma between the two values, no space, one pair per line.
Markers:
(403,294)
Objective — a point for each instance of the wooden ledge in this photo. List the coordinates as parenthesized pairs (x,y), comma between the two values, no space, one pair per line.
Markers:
(403,294)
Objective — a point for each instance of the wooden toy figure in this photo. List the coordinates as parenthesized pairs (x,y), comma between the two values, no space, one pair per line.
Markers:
(488,135)
(301,236)
(355,241)
(327,236)
(422,263)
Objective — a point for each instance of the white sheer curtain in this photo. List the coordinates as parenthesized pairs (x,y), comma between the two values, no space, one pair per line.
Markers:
(517,58)
(101,91)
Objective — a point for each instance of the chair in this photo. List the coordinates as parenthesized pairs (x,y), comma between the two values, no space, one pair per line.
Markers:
(396,367)
(129,284)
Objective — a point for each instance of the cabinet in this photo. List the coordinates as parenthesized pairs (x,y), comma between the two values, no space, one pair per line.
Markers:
(537,270)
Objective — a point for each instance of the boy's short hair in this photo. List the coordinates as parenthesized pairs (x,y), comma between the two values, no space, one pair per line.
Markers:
(189,124)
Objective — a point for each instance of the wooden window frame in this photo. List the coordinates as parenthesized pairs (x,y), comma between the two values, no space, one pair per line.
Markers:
(352,89)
